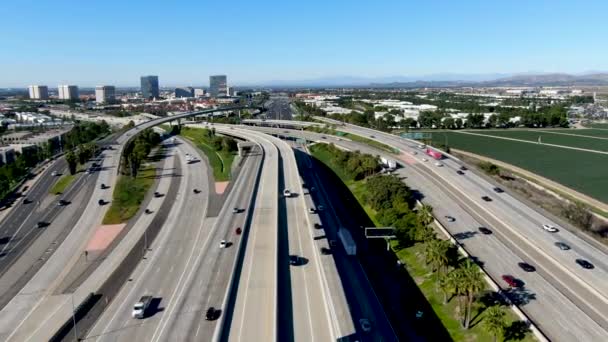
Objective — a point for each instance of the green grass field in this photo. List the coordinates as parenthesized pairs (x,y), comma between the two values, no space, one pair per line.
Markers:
(62,184)
(598,125)
(583,171)
(220,161)
(547,137)
(129,194)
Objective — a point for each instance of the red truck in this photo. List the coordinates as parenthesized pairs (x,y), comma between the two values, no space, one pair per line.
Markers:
(435,154)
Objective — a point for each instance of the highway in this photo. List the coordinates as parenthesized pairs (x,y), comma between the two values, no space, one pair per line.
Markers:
(278,107)
(550,302)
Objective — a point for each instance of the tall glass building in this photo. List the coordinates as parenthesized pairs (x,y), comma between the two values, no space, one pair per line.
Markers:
(149,87)
(218,85)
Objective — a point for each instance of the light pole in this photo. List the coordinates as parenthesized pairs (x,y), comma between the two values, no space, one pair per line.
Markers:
(74,318)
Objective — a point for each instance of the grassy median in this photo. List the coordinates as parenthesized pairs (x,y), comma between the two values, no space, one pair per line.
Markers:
(62,184)
(219,160)
(129,194)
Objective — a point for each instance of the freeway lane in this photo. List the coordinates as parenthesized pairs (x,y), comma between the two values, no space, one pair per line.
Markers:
(254,316)
(159,273)
(278,107)
(311,320)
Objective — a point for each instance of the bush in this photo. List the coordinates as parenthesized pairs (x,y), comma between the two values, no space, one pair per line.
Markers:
(489,168)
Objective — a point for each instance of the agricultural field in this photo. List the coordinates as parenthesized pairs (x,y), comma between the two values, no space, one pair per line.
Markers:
(556,137)
(598,125)
(582,171)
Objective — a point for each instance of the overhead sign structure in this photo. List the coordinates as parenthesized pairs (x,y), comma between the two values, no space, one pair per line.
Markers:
(379,233)
(417,136)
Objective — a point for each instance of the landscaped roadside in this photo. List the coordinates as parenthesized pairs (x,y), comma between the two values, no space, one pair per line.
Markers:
(129,194)
(452,285)
(332,131)
(220,150)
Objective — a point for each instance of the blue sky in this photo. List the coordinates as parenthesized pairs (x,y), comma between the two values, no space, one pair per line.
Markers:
(114,42)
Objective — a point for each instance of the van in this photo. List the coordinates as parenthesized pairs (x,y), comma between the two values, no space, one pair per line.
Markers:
(141,307)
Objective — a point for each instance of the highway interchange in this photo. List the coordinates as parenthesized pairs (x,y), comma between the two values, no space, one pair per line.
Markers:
(259,294)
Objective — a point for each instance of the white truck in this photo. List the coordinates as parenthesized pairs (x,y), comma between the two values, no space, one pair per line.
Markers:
(388,163)
(347,241)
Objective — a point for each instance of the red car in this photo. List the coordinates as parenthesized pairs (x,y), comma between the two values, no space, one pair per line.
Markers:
(238,231)
(510,280)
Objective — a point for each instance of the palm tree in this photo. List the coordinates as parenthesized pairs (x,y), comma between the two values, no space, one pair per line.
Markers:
(436,252)
(445,285)
(425,233)
(473,284)
(426,214)
(494,322)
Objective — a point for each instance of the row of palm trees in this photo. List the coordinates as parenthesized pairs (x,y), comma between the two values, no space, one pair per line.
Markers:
(460,279)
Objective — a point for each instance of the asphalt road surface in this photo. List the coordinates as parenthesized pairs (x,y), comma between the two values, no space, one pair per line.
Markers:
(278,107)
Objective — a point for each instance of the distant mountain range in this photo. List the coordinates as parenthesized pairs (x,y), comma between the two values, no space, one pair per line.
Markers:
(454,80)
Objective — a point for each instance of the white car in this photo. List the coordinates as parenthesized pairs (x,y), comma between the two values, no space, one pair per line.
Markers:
(424,160)
(320,207)
(366,326)
(286,193)
(311,210)
(223,244)
(438,164)
(549,228)
(54,173)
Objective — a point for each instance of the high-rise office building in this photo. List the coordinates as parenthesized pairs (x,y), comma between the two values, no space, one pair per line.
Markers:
(105,94)
(39,92)
(68,92)
(149,87)
(218,86)
(184,92)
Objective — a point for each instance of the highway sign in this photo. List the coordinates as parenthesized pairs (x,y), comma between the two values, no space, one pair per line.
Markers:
(417,136)
(379,233)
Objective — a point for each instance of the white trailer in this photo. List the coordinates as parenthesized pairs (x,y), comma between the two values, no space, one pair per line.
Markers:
(347,241)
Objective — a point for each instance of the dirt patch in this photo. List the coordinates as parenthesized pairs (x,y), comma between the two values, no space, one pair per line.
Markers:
(220,187)
(103,237)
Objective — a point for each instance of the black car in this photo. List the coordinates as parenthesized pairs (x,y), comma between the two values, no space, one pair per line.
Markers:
(498,190)
(294,260)
(485,231)
(486,198)
(157,194)
(62,203)
(211,314)
(101,202)
(325,251)
(103,186)
(562,246)
(460,172)
(463,168)
(317,226)
(41,224)
(585,264)
(526,267)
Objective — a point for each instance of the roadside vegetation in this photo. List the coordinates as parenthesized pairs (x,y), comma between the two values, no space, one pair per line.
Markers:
(62,184)
(82,133)
(137,177)
(331,130)
(453,285)
(220,150)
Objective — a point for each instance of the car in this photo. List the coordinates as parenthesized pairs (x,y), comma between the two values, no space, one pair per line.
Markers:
(235,210)
(148,211)
(325,251)
(238,231)
(157,194)
(526,267)
(101,202)
(54,173)
(312,188)
(463,168)
(486,198)
(311,210)
(371,136)
(414,152)
(62,203)
(323,137)
(102,186)
(550,228)
(286,193)
(41,224)
(460,172)
(320,207)
(333,243)
(484,230)
(510,280)
(562,246)
(140,308)
(438,164)
(88,171)
(585,264)
(26,201)
(317,226)
(449,218)
(498,190)
(294,260)
(212,314)
(365,325)
(223,244)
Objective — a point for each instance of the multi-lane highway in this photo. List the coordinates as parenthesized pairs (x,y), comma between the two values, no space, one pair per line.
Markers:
(562,298)
(278,107)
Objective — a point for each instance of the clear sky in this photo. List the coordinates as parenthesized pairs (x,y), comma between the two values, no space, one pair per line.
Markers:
(183,42)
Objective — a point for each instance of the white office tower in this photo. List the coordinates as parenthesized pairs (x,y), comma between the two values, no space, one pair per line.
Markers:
(67,92)
(105,94)
(39,92)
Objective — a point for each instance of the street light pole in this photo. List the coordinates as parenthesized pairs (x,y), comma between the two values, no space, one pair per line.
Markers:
(74,319)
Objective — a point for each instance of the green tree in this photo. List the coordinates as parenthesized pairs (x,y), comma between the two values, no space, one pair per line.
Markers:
(72,161)
(492,120)
(494,321)
(426,214)
(436,252)
(473,284)
(448,123)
